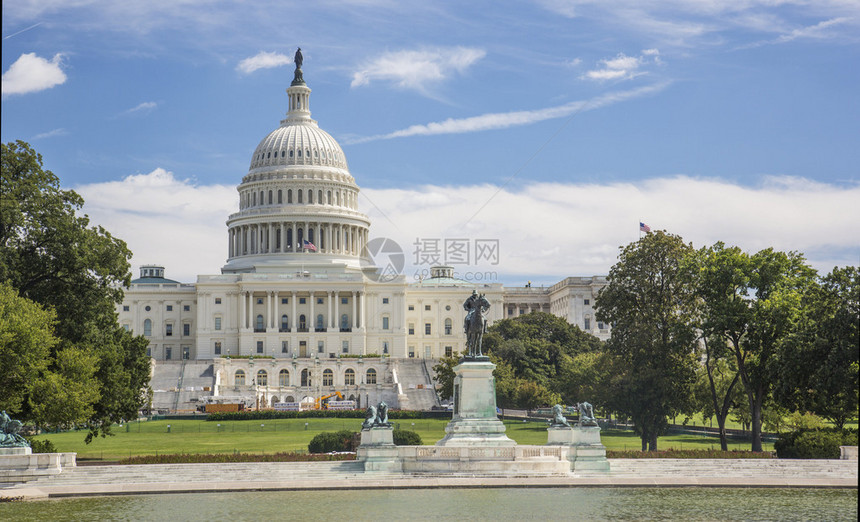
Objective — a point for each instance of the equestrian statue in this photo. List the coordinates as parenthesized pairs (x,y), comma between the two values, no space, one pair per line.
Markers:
(475,324)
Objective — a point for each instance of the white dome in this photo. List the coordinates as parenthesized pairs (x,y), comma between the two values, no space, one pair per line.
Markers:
(298,143)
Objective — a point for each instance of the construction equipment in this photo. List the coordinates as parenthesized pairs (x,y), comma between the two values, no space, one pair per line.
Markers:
(322,402)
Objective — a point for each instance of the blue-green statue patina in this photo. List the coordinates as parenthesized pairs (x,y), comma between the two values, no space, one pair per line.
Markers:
(586,414)
(558,419)
(9,437)
(377,417)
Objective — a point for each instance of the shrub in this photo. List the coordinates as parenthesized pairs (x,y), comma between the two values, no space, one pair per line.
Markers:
(42,446)
(407,438)
(329,441)
(814,444)
(197,458)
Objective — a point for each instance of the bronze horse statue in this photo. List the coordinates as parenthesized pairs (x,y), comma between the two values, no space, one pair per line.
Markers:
(476,322)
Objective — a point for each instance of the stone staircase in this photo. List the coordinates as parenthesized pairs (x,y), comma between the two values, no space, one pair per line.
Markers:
(176,385)
(412,374)
(731,467)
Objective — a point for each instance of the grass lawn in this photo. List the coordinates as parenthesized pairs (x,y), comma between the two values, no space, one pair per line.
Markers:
(275,435)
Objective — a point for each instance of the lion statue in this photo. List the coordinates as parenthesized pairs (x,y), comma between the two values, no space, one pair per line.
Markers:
(558,419)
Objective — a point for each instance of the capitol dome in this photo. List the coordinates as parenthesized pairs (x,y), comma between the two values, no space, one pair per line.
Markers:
(298,204)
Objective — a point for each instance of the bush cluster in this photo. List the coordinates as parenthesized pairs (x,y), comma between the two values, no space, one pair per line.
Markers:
(217,458)
(687,454)
(329,441)
(814,444)
(407,438)
(41,446)
(318,414)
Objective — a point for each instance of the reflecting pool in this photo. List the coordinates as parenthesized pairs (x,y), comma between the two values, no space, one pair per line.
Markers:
(465,504)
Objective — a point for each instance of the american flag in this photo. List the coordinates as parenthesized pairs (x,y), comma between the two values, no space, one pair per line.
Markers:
(309,246)
(643,227)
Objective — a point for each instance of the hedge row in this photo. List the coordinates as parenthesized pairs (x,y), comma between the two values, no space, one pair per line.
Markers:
(821,443)
(319,414)
(687,454)
(217,458)
(345,440)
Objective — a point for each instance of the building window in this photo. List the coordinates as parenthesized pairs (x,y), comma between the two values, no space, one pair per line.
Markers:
(320,346)
(600,325)
(284,378)
(126,327)
(303,323)
(427,308)
(385,347)
(449,351)
(320,323)
(168,329)
(217,347)
(385,322)
(448,326)
(169,308)
(147,327)
(328,377)
(259,327)
(217,300)
(587,324)
(411,352)
(344,322)
(510,311)
(285,346)
(370,377)
(349,377)
(285,323)
(306,375)
(259,300)
(285,300)
(217,323)
(168,352)
(186,329)
(319,300)
(411,307)
(345,347)
(239,378)
(411,328)
(262,378)
(586,302)
(259,346)
(149,351)
(186,308)
(125,308)
(384,300)
(426,328)
(344,300)
(302,300)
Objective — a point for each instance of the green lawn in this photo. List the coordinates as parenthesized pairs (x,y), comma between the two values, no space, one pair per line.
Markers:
(198,436)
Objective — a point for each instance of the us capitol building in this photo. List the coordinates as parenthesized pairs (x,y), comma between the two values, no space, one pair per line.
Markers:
(299,311)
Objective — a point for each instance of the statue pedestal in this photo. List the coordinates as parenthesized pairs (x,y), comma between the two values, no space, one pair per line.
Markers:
(377,450)
(16,450)
(586,452)
(475,422)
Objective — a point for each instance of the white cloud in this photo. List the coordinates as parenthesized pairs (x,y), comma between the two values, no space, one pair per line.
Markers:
(142,107)
(560,229)
(502,120)
(818,30)
(263,60)
(623,67)
(51,134)
(417,69)
(31,73)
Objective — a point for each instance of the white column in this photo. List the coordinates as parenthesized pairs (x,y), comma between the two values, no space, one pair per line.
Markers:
(241,318)
(275,314)
(283,237)
(269,308)
(336,311)
(353,311)
(312,321)
(295,316)
(330,296)
(293,242)
(361,311)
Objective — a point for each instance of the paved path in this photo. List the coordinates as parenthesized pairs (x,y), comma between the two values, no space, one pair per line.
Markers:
(275,476)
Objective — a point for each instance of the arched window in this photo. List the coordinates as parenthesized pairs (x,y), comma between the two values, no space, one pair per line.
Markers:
(284,378)
(349,377)
(147,327)
(310,196)
(262,378)
(290,191)
(344,322)
(299,194)
(291,153)
(262,198)
(289,398)
(320,322)
(319,197)
(239,378)
(328,195)
(285,322)
(280,196)
(270,197)
(303,324)
(255,199)
(448,326)
(306,378)
(310,234)
(260,326)
(371,376)
(289,238)
(328,378)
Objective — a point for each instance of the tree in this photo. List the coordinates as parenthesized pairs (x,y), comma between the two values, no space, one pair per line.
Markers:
(818,369)
(650,301)
(444,376)
(51,256)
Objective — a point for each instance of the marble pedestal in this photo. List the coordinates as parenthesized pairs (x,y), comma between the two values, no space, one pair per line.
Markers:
(586,452)
(16,450)
(475,422)
(377,450)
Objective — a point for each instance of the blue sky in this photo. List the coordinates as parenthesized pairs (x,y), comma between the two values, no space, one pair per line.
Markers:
(552,126)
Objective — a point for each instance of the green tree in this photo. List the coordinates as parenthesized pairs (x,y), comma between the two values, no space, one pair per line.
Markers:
(51,255)
(444,376)
(818,368)
(650,301)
